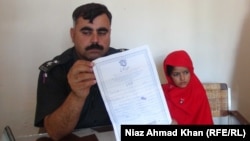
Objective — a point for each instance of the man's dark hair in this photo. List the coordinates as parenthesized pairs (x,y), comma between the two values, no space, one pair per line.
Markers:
(90,11)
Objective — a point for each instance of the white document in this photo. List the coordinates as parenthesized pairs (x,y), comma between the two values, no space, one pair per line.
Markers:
(131,89)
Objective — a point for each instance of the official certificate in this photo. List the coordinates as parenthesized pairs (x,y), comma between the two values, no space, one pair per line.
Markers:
(131,89)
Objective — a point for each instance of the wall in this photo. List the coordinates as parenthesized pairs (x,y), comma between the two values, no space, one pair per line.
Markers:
(214,32)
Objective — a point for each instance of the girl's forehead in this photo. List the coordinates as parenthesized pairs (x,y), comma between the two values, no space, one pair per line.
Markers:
(179,68)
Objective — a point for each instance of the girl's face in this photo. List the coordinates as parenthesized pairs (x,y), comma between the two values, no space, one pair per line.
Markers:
(180,76)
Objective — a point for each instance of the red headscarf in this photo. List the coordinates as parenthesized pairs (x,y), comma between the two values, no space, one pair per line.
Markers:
(187,105)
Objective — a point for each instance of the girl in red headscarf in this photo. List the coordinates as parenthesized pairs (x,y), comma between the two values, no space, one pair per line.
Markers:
(185,95)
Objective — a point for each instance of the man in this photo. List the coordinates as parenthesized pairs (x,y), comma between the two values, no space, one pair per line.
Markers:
(67,95)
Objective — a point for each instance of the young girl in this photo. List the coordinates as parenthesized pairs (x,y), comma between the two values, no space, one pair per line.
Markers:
(186,98)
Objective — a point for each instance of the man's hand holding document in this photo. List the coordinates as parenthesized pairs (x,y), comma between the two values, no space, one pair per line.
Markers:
(131,89)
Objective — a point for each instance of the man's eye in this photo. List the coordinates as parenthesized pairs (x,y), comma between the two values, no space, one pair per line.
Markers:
(102,32)
(86,32)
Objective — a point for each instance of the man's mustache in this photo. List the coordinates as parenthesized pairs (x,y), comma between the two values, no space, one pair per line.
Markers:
(95,46)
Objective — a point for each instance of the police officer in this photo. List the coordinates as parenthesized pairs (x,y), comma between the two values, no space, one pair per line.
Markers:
(67,94)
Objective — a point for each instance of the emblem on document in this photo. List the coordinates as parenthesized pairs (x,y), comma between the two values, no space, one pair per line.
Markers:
(123,63)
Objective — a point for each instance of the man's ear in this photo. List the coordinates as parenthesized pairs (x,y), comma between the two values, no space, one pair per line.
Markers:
(72,34)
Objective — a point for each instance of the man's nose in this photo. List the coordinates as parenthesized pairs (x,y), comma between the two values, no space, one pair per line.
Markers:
(94,37)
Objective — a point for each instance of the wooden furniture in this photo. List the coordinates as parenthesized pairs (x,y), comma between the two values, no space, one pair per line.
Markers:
(100,133)
(220,103)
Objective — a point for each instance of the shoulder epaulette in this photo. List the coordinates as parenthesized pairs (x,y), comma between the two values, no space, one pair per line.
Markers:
(47,66)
